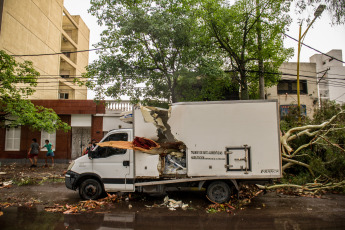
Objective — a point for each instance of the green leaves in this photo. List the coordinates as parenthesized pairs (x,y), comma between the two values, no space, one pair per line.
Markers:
(155,48)
(152,45)
(233,29)
(17,81)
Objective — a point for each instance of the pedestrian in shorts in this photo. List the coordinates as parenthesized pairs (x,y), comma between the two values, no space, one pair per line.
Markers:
(50,153)
(33,153)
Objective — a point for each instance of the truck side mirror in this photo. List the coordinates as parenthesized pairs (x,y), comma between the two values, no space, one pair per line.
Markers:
(93,154)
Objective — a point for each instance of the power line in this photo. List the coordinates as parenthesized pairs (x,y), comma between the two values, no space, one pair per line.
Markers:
(342,75)
(95,78)
(67,52)
(332,80)
(79,51)
(334,58)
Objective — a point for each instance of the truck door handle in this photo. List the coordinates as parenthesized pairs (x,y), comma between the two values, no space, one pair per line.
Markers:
(125,163)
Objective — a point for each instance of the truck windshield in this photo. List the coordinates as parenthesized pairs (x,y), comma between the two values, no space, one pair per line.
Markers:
(103,152)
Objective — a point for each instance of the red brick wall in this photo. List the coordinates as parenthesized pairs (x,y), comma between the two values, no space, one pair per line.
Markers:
(68,107)
(97,128)
(25,141)
(62,148)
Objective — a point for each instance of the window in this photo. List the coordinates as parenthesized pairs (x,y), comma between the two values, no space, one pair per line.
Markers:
(63,95)
(290,87)
(117,137)
(103,152)
(13,139)
(48,136)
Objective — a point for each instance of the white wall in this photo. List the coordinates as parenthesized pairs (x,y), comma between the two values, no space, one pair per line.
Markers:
(113,122)
(81,120)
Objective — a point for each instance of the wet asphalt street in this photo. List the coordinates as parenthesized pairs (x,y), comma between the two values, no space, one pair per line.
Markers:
(267,211)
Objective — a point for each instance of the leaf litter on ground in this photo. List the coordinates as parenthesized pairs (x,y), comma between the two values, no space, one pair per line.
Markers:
(237,201)
(85,206)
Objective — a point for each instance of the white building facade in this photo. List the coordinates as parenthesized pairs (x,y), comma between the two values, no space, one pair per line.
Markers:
(330,76)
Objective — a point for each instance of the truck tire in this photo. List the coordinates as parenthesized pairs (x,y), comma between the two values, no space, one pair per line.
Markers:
(90,189)
(219,192)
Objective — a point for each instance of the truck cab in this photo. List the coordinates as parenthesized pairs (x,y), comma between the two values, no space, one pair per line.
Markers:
(104,168)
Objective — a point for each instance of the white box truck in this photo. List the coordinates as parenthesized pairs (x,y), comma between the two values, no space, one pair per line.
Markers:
(225,143)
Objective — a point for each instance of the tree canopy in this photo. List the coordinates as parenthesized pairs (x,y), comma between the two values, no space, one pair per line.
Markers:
(17,82)
(150,44)
(176,49)
(234,29)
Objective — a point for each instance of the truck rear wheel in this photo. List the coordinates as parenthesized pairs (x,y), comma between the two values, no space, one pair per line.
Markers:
(90,189)
(219,192)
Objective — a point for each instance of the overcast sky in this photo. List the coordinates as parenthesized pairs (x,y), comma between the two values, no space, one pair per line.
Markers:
(322,36)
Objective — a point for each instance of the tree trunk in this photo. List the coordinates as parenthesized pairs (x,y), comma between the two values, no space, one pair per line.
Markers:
(244,88)
(260,59)
(244,84)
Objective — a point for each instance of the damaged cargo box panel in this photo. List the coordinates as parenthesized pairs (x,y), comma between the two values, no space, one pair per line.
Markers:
(146,165)
(237,139)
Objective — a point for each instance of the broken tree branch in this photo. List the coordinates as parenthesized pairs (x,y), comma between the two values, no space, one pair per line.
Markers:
(300,163)
(311,187)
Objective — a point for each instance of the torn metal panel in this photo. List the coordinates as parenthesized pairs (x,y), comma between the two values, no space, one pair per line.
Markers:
(159,117)
(152,123)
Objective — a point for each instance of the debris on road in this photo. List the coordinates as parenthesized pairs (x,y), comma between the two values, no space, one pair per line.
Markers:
(6,184)
(85,206)
(6,205)
(171,204)
(24,175)
(246,194)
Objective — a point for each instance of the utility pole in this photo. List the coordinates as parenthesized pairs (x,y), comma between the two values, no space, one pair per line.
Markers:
(317,13)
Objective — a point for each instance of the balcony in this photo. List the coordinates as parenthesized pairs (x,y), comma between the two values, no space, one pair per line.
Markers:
(118,107)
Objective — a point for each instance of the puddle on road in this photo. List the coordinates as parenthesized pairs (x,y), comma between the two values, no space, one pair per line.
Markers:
(37,218)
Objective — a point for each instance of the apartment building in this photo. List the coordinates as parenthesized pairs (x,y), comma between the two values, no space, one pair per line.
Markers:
(286,90)
(330,75)
(320,79)
(34,27)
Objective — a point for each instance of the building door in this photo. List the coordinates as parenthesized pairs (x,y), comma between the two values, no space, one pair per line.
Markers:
(80,138)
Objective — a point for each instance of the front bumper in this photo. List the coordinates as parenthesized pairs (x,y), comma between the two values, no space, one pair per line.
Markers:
(71,179)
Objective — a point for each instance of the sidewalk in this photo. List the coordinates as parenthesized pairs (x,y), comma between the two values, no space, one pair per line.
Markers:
(18,171)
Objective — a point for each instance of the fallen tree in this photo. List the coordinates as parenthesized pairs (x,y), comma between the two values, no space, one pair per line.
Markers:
(313,154)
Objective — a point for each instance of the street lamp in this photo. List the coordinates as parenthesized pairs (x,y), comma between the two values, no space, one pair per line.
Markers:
(317,14)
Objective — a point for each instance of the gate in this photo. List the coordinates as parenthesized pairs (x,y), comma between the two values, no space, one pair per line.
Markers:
(80,138)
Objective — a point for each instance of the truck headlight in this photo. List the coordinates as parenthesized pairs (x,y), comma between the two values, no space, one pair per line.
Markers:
(70,166)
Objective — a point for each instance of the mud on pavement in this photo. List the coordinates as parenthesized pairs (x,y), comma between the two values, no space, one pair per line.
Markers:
(272,210)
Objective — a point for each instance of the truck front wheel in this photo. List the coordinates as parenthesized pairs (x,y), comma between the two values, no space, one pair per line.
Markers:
(90,189)
(219,192)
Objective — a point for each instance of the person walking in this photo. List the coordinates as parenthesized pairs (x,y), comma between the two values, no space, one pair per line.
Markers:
(50,153)
(33,153)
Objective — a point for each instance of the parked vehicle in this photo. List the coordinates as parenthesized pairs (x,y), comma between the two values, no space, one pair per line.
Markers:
(215,145)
